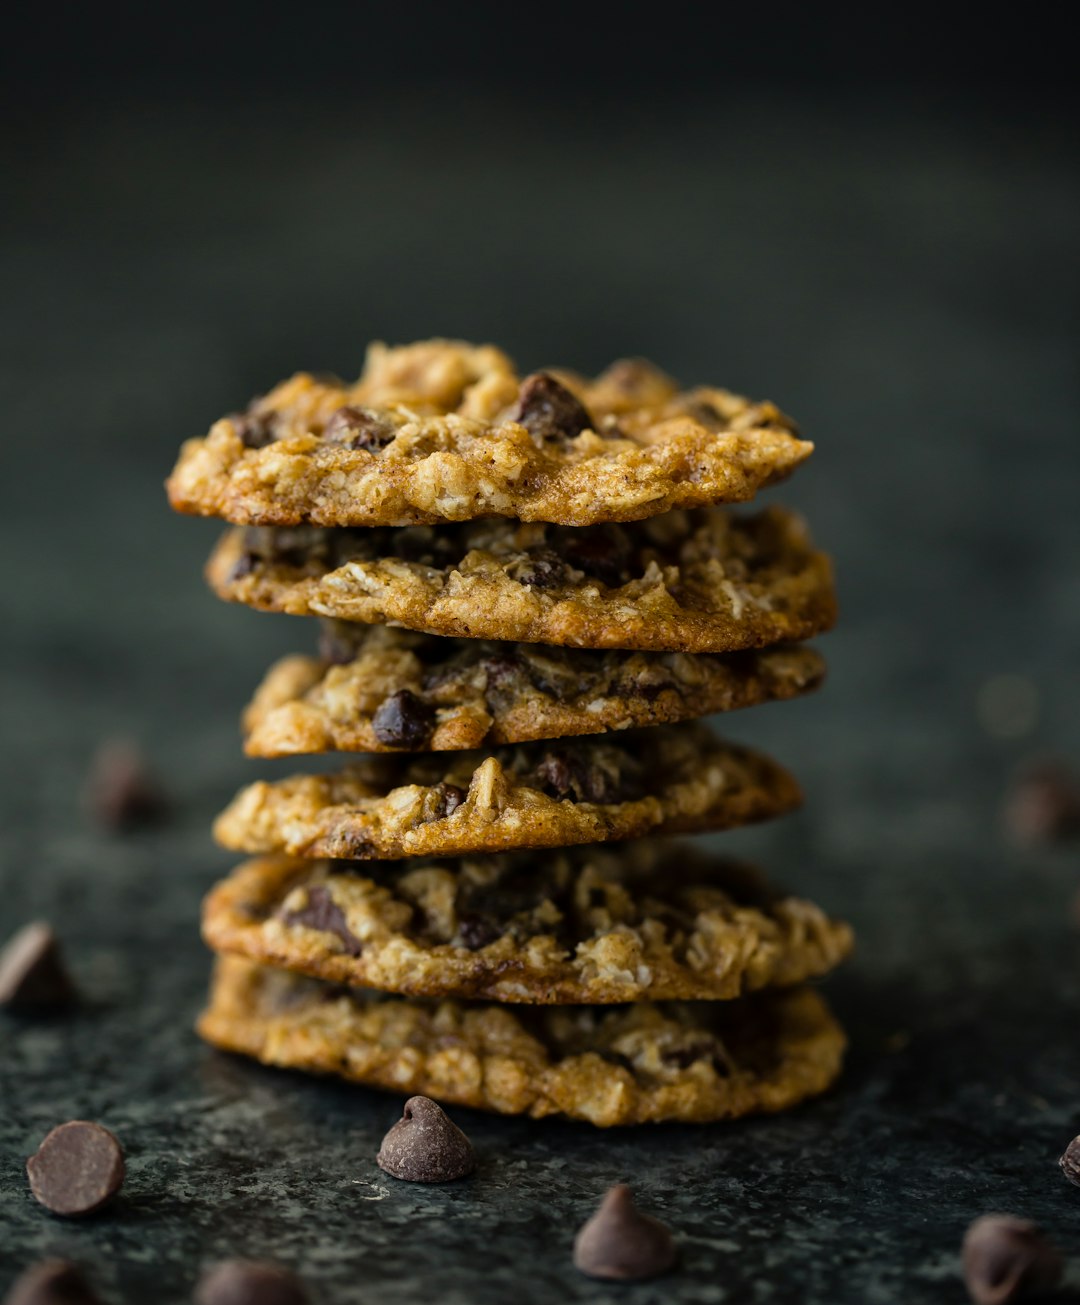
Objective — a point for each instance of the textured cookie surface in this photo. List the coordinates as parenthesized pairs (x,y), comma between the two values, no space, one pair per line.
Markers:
(444,431)
(702,581)
(641,921)
(676,778)
(379,689)
(644,1063)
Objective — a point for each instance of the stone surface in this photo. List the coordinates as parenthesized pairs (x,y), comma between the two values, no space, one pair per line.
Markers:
(903,282)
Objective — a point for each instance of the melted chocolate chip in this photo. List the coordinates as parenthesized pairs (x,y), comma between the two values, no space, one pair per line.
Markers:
(446,800)
(403,721)
(324,914)
(33,978)
(475,931)
(1008,1259)
(563,774)
(247,1282)
(548,410)
(52,1282)
(622,1244)
(603,552)
(358,428)
(541,569)
(255,429)
(426,1146)
(77,1169)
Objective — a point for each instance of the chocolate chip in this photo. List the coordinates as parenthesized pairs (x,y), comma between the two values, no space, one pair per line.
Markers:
(1070,1161)
(403,721)
(475,932)
(78,1168)
(446,798)
(52,1282)
(548,410)
(249,1282)
(620,1243)
(358,428)
(335,645)
(244,565)
(603,552)
(1006,1259)
(1044,804)
(255,429)
(541,568)
(324,914)
(120,791)
(501,670)
(33,977)
(426,1146)
(563,774)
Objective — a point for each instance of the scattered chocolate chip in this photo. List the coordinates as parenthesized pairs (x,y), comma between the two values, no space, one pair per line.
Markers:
(78,1168)
(541,569)
(619,1242)
(1006,1259)
(1044,804)
(335,646)
(120,790)
(1070,1161)
(324,914)
(474,932)
(358,428)
(403,720)
(52,1282)
(426,1146)
(446,800)
(603,552)
(548,410)
(249,1282)
(33,977)
(255,429)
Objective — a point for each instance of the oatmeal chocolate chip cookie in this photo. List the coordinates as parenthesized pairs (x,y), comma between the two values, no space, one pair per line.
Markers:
(673,779)
(443,431)
(702,582)
(646,921)
(379,689)
(635,1064)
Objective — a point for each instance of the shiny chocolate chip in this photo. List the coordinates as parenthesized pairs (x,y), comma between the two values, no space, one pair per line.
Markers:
(403,721)
(323,913)
(358,428)
(548,410)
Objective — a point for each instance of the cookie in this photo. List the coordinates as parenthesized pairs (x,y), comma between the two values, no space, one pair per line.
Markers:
(379,689)
(643,1063)
(702,582)
(644,921)
(444,431)
(676,778)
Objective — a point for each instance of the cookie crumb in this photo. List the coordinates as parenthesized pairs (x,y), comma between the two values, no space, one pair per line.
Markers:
(621,1243)
(426,1146)
(33,977)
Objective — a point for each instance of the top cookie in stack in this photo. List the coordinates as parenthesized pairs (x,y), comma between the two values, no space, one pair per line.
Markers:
(501,563)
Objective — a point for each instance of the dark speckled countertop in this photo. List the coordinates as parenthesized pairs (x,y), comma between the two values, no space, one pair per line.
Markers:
(905,283)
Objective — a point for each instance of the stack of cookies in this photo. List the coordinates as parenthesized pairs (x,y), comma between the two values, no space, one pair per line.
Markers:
(528,592)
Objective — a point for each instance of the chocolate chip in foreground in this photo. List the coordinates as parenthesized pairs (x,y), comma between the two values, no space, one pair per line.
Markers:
(1007,1259)
(324,914)
(1070,1161)
(426,1146)
(77,1169)
(33,977)
(250,1282)
(255,429)
(1044,804)
(358,428)
(52,1282)
(619,1242)
(548,410)
(403,720)
(120,790)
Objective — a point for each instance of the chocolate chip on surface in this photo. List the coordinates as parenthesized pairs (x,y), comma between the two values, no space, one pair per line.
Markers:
(78,1168)
(120,791)
(33,976)
(541,568)
(1070,1161)
(403,720)
(1007,1259)
(358,428)
(548,410)
(445,800)
(52,1282)
(426,1146)
(250,1282)
(1043,805)
(621,1243)
(323,913)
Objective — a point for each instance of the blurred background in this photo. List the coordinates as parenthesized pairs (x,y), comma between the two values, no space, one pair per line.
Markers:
(870,218)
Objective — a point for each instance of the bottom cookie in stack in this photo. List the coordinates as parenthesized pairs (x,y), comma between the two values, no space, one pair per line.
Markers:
(699,953)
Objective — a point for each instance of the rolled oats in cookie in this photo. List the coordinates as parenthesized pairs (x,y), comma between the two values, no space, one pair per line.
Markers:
(642,1063)
(676,778)
(641,921)
(379,689)
(697,582)
(447,431)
